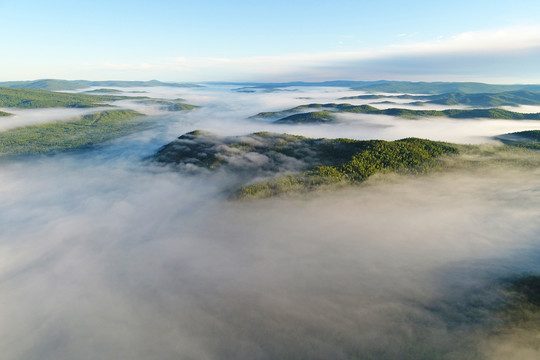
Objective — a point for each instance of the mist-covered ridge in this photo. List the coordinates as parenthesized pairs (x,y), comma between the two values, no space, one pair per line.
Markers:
(312,162)
(327,115)
(513,98)
(76,134)
(526,139)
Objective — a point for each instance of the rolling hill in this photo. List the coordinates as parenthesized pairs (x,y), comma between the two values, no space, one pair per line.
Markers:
(32,99)
(310,163)
(299,117)
(83,132)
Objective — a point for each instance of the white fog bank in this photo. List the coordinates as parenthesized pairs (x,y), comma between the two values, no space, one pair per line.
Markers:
(106,256)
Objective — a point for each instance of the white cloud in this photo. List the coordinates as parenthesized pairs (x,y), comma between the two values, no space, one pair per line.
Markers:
(510,38)
(473,46)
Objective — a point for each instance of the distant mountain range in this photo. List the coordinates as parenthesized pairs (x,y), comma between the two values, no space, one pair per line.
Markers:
(55,84)
(406,87)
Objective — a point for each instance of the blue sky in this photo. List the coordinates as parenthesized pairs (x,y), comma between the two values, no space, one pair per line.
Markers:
(493,41)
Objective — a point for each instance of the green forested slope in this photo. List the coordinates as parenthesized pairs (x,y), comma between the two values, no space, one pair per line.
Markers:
(526,139)
(32,99)
(78,133)
(410,154)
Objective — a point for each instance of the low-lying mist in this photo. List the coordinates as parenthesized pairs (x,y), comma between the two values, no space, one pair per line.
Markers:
(104,255)
(25,117)
(103,261)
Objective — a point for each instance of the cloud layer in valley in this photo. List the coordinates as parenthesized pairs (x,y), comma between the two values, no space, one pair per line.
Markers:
(104,255)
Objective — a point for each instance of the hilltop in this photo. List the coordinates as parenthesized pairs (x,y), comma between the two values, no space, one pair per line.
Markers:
(308,163)
(104,91)
(526,139)
(82,132)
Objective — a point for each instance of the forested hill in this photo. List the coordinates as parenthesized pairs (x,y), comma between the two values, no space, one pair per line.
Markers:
(310,162)
(298,115)
(75,134)
(526,139)
(31,99)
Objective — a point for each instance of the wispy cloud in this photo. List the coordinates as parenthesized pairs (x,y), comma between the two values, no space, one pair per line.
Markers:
(510,51)
(511,38)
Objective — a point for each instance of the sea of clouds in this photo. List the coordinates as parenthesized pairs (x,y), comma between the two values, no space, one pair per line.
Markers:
(105,255)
